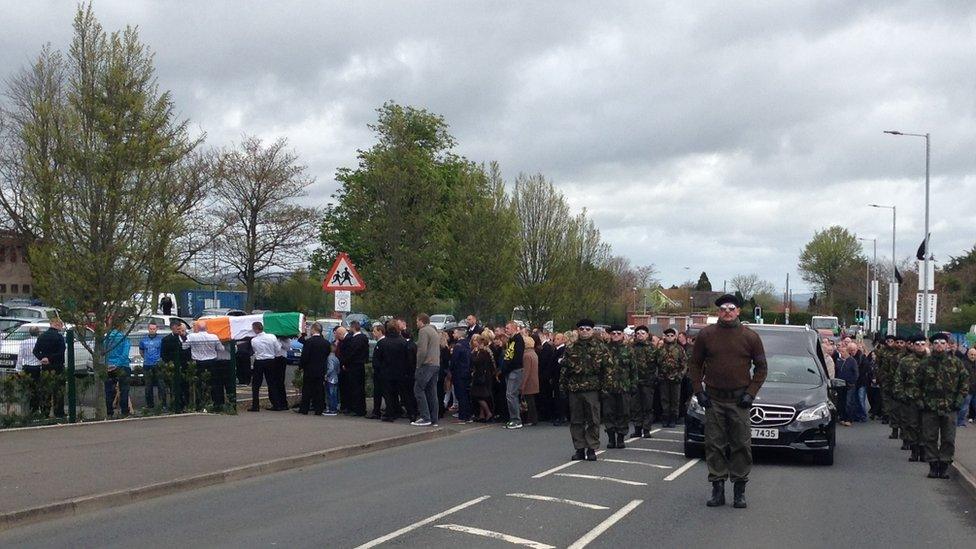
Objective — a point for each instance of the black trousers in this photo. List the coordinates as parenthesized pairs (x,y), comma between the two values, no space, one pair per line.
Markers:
(216,381)
(545,401)
(243,369)
(313,393)
(262,371)
(355,397)
(391,394)
(379,392)
(276,391)
(404,387)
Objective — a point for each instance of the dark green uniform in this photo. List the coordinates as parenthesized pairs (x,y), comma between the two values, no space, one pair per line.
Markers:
(671,361)
(884,358)
(943,384)
(581,378)
(645,372)
(618,382)
(905,389)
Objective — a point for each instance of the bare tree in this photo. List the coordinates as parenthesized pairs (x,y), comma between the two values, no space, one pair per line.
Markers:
(646,276)
(265,229)
(751,284)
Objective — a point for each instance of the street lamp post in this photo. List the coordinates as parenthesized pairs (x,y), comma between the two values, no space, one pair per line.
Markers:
(867,281)
(893,297)
(925,269)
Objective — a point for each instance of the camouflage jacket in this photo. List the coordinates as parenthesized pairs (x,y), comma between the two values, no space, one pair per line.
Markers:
(943,383)
(671,362)
(583,366)
(882,362)
(904,383)
(619,374)
(645,363)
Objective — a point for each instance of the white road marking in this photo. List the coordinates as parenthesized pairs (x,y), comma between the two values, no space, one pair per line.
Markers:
(559,500)
(674,432)
(654,450)
(418,524)
(681,470)
(495,535)
(595,477)
(637,463)
(662,440)
(605,525)
(561,467)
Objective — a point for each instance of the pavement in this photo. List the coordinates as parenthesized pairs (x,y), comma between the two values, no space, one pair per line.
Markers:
(492,487)
(67,469)
(965,459)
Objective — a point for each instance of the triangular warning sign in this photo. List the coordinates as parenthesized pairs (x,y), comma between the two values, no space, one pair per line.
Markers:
(343,276)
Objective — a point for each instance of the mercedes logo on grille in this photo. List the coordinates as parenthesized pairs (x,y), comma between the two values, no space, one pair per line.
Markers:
(757,415)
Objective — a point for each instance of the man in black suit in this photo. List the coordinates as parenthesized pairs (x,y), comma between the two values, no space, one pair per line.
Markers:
(355,353)
(393,353)
(315,356)
(547,374)
(561,402)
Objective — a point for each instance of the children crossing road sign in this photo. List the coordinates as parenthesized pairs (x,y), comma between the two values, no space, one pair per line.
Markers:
(343,276)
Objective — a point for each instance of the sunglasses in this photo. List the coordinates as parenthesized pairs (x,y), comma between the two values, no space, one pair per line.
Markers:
(617,333)
(585,329)
(728,308)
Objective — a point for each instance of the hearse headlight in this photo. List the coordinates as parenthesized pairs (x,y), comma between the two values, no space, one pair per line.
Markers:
(815,413)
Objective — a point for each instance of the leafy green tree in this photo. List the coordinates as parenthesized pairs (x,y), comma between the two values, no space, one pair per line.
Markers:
(704,285)
(825,259)
(92,157)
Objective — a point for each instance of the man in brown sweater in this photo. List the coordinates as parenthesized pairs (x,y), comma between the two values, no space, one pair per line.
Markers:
(722,360)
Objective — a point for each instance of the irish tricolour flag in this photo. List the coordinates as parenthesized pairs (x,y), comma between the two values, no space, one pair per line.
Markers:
(239,327)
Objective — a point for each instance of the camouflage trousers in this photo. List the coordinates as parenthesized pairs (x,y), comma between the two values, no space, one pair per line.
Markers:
(938,436)
(728,426)
(670,398)
(616,412)
(909,421)
(584,419)
(642,406)
(888,406)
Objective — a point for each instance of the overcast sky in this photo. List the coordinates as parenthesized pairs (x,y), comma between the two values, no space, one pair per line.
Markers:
(713,137)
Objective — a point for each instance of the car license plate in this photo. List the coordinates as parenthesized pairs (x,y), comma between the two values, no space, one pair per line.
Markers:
(765,433)
(7,362)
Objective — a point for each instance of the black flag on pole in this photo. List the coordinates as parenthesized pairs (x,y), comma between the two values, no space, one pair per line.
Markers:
(922,252)
(898,276)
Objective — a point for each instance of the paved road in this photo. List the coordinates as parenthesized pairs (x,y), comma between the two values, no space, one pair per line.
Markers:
(872,497)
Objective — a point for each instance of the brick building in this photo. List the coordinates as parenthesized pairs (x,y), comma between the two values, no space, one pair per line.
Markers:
(15,276)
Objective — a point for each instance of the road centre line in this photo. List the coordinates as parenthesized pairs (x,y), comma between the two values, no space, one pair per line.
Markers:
(561,467)
(495,535)
(559,500)
(596,477)
(605,525)
(610,460)
(654,450)
(681,470)
(418,524)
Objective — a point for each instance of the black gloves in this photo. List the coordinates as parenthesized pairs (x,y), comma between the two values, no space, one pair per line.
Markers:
(703,400)
(745,401)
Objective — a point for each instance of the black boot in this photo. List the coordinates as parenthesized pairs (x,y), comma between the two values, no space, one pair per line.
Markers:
(934,469)
(943,469)
(620,441)
(611,440)
(647,434)
(590,454)
(914,456)
(905,445)
(718,494)
(638,432)
(579,455)
(739,495)
(894,433)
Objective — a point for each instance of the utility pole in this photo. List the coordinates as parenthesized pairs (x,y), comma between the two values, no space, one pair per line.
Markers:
(786,300)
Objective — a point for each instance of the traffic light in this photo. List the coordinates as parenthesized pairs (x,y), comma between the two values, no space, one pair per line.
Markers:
(758,312)
(860,316)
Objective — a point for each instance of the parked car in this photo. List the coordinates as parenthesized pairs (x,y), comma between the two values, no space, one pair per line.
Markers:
(142,323)
(364,321)
(33,314)
(207,313)
(794,408)
(328,327)
(10,346)
(443,322)
(7,323)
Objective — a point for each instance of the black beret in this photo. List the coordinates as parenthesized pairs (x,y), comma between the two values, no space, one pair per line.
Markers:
(940,335)
(916,338)
(585,322)
(670,331)
(727,298)
(889,336)
(900,338)
(642,328)
(616,328)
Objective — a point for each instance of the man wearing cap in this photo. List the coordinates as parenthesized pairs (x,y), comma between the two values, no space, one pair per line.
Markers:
(618,381)
(583,367)
(943,385)
(671,360)
(721,361)
(907,392)
(645,372)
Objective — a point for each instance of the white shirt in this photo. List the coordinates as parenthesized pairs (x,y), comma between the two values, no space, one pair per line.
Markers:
(25,354)
(202,345)
(265,346)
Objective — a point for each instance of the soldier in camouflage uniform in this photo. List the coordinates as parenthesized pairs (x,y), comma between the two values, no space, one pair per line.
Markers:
(581,378)
(671,367)
(618,382)
(906,391)
(944,383)
(645,373)
(883,358)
